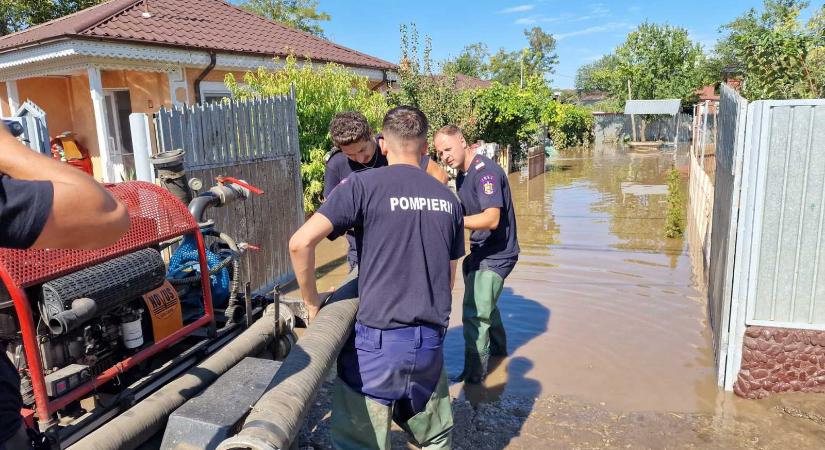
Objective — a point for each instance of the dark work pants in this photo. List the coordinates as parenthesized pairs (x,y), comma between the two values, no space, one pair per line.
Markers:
(393,375)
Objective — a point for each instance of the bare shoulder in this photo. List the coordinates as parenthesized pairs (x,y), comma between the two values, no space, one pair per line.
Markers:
(437,172)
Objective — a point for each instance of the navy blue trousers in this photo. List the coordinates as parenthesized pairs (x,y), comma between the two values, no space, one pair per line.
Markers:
(399,368)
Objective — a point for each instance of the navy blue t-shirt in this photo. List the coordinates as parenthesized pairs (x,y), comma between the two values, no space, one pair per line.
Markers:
(338,168)
(408,227)
(24,208)
(484,186)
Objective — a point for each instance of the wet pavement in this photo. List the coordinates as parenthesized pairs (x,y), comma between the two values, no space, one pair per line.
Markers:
(607,333)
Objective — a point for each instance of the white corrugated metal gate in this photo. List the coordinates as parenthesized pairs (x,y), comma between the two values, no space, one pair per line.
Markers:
(773,272)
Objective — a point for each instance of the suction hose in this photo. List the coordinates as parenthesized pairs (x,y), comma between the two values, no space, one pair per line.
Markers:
(142,421)
(277,417)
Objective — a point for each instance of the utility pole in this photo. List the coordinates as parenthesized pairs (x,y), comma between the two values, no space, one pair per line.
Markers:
(632,116)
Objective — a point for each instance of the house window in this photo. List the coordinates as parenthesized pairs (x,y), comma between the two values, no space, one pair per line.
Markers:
(214,92)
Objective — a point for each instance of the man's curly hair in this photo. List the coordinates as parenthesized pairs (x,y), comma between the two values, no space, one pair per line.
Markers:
(349,127)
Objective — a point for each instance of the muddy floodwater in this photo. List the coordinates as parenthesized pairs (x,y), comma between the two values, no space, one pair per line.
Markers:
(607,331)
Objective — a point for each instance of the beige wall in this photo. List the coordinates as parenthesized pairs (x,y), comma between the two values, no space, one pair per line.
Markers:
(215,75)
(52,95)
(147,90)
(4,100)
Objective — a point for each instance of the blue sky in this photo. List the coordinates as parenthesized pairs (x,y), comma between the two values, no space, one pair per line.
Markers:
(585,29)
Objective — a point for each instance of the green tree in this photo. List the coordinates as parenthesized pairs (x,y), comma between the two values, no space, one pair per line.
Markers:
(436,95)
(472,61)
(599,75)
(778,55)
(538,59)
(658,61)
(300,14)
(321,92)
(20,14)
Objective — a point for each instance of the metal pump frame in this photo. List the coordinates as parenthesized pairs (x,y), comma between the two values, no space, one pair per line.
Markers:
(156,216)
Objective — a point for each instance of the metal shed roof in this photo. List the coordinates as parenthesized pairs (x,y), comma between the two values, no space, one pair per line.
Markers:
(668,107)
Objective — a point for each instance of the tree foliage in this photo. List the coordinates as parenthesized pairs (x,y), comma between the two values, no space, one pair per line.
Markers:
(434,94)
(300,14)
(473,61)
(510,115)
(320,94)
(21,14)
(504,113)
(778,55)
(539,59)
(659,61)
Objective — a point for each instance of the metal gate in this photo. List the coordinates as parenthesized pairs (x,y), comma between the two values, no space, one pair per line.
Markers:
(767,263)
(729,152)
(256,141)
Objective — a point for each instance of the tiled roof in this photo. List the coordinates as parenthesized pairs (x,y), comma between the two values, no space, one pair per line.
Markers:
(463,82)
(198,24)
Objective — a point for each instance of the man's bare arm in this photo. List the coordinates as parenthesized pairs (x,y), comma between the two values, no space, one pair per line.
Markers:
(453,265)
(437,172)
(485,220)
(84,215)
(302,253)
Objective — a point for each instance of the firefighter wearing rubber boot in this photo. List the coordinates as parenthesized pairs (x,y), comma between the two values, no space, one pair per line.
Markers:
(409,231)
(488,212)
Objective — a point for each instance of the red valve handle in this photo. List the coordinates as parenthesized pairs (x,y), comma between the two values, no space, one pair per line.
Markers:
(240,183)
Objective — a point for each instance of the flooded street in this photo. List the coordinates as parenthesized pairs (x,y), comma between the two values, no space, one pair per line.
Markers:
(607,333)
(601,305)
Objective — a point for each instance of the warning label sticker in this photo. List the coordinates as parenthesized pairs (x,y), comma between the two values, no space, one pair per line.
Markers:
(164,309)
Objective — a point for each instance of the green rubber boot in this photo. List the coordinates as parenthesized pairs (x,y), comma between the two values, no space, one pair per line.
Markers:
(481,320)
(358,422)
(432,429)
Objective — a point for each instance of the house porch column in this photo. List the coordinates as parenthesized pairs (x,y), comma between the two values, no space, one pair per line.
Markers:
(101,127)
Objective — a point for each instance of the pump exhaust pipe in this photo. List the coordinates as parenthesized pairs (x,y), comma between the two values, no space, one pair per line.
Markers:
(142,421)
(277,417)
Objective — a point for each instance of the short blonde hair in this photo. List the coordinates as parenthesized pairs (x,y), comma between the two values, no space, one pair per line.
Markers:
(449,130)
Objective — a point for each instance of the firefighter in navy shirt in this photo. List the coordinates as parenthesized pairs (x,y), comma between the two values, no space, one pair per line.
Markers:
(409,232)
(46,204)
(355,151)
(488,209)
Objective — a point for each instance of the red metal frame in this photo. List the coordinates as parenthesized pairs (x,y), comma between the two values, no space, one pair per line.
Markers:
(156,216)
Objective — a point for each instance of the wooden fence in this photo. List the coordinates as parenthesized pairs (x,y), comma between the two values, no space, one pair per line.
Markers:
(256,141)
(535,162)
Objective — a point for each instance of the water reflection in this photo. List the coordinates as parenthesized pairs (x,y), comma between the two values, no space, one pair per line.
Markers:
(627,326)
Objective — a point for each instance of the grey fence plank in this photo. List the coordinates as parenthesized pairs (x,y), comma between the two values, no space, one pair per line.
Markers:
(252,140)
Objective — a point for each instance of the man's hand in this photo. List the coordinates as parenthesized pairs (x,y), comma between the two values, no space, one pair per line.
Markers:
(312,310)
(302,253)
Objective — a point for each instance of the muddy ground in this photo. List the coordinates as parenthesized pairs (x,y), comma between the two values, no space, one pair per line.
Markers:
(555,422)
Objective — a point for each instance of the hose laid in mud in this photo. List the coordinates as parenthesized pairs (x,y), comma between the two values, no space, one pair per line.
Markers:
(277,417)
(142,421)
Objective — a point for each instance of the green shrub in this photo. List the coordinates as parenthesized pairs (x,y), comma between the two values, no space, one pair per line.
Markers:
(572,127)
(675,219)
(320,93)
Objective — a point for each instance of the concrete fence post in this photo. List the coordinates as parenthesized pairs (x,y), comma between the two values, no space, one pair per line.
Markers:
(142,146)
